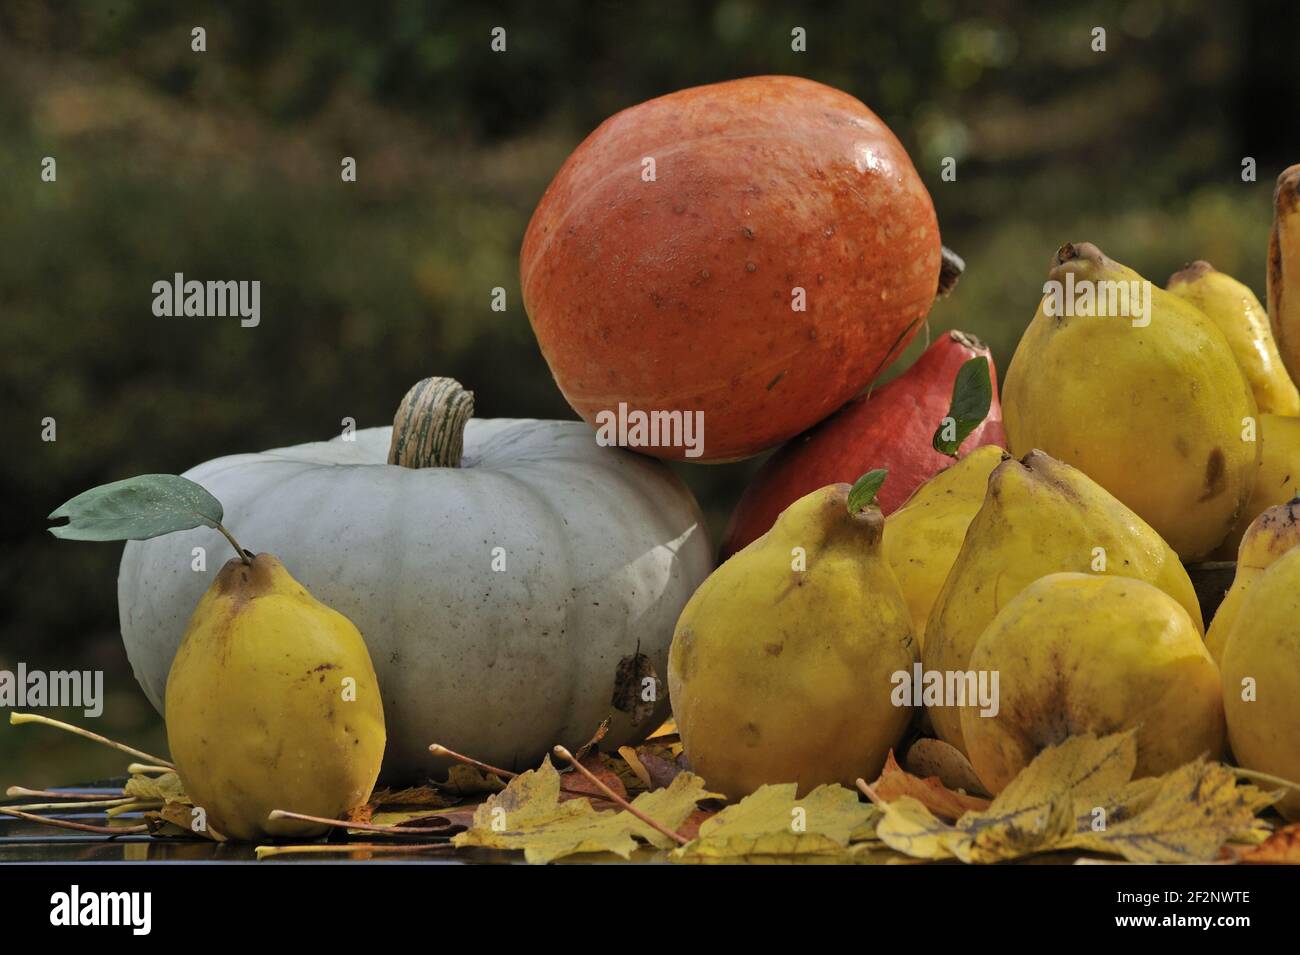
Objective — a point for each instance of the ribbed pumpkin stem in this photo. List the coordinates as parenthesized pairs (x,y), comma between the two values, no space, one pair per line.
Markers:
(429,427)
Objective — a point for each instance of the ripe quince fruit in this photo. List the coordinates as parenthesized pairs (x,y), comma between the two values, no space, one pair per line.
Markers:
(272,703)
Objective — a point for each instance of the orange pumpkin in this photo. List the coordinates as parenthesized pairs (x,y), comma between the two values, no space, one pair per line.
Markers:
(756,250)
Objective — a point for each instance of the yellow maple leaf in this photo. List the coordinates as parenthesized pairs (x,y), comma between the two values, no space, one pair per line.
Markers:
(1036,811)
(463,780)
(895,782)
(1079,795)
(1281,848)
(175,817)
(529,815)
(164,786)
(773,848)
(770,824)
(670,806)
(427,797)
(907,826)
(1186,817)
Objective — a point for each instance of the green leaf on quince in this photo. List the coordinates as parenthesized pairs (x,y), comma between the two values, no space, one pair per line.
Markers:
(864,490)
(972,396)
(136,509)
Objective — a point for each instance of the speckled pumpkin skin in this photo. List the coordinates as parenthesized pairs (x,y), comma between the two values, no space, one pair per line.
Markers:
(678,293)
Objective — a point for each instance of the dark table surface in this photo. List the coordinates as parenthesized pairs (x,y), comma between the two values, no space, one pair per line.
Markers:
(22,840)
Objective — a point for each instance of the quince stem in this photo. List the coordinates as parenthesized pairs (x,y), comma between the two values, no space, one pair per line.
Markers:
(244,555)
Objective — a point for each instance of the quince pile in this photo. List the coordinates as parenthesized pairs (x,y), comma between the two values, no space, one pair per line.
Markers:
(1042,591)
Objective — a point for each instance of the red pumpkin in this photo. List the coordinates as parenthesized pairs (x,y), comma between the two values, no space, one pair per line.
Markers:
(663,265)
(893,427)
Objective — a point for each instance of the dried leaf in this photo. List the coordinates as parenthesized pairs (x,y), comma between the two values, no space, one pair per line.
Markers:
(1282,847)
(529,815)
(637,687)
(1081,766)
(592,743)
(772,848)
(364,814)
(165,786)
(1188,817)
(422,818)
(690,829)
(176,818)
(465,780)
(574,784)
(1035,811)
(908,827)
(636,766)
(662,770)
(654,765)
(1005,834)
(933,794)
(671,806)
(666,730)
(830,810)
(163,827)
(431,797)
(176,815)
(771,824)
(621,768)
(1124,803)
(452,819)
(1184,816)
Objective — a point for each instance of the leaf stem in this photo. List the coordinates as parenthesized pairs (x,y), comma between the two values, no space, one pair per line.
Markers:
(366,826)
(108,793)
(243,554)
(614,797)
(870,793)
(79,826)
(84,804)
(439,750)
(17,719)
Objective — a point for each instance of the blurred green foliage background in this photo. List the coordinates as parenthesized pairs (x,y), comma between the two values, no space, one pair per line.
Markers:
(225,164)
